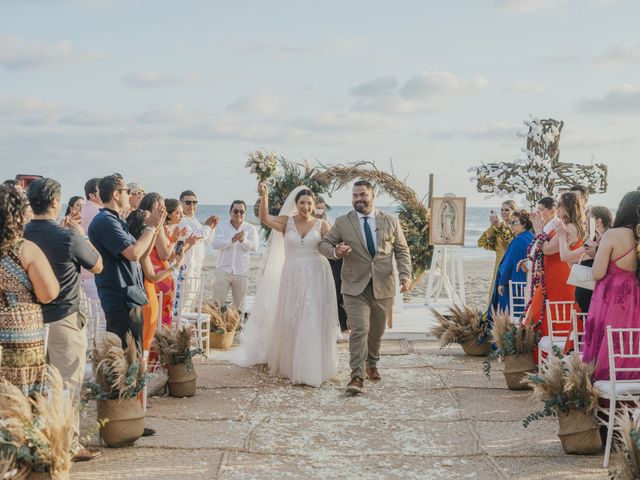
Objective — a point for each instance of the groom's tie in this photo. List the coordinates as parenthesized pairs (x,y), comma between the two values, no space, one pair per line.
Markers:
(369,237)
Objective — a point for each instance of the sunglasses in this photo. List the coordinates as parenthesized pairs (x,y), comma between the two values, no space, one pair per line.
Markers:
(138,192)
(190,202)
(241,212)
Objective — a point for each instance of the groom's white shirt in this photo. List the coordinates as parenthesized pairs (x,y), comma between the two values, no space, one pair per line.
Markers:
(372,225)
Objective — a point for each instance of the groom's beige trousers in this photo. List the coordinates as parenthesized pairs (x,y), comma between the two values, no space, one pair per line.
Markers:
(367,318)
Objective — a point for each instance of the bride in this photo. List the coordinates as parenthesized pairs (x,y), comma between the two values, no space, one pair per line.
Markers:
(294,319)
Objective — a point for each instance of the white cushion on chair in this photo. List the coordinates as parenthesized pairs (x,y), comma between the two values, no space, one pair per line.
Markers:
(622,387)
(545,343)
(193,316)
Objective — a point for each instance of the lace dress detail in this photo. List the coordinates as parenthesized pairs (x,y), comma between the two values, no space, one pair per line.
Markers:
(21,328)
(303,344)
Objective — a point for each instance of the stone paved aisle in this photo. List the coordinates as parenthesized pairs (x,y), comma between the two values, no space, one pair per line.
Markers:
(433,416)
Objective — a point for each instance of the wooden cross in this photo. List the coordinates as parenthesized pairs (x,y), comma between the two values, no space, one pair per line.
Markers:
(541,173)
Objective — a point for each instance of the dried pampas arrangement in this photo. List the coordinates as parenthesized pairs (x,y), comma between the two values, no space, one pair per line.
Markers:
(461,325)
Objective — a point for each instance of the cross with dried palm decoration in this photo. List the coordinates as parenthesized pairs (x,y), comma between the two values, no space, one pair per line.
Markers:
(540,173)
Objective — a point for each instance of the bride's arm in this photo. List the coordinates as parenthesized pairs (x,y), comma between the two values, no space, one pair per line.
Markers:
(324,229)
(276,223)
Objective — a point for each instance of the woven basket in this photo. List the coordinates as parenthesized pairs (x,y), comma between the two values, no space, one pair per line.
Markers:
(126,421)
(182,382)
(42,476)
(474,348)
(221,341)
(579,433)
(516,369)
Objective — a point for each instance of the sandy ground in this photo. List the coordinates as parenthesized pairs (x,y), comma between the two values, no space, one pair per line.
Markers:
(433,416)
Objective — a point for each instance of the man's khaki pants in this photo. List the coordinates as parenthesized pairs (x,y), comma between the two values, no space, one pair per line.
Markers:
(367,319)
(67,351)
(239,285)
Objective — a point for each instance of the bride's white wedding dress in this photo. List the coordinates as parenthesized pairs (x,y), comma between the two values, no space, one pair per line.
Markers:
(303,344)
(294,318)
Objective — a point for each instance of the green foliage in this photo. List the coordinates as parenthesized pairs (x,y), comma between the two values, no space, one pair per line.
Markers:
(416,230)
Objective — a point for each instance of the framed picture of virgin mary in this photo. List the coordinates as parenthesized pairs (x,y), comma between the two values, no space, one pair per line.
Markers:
(448,216)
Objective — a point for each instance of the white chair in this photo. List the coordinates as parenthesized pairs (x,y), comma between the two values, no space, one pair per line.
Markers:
(578,320)
(46,339)
(190,311)
(517,300)
(559,323)
(623,343)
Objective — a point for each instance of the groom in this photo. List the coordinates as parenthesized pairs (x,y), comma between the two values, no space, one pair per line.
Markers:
(366,239)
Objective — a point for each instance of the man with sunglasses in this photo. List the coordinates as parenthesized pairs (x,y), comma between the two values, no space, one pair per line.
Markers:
(195,256)
(235,240)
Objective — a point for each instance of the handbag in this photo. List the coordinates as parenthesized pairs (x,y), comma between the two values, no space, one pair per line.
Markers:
(581,276)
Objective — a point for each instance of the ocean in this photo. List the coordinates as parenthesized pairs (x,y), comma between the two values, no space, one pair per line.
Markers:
(477,221)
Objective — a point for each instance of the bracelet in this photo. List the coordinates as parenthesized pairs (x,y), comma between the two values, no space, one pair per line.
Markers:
(150,229)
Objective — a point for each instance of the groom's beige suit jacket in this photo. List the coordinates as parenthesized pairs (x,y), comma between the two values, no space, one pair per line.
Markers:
(359,267)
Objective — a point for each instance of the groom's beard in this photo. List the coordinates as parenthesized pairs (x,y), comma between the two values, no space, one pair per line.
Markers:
(362,207)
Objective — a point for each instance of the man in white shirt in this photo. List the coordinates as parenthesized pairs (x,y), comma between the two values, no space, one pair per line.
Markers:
(235,239)
(91,208)
(194,258)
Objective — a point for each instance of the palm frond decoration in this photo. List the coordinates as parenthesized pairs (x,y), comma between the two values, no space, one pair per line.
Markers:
(626,462)
(175,347)
(462,324)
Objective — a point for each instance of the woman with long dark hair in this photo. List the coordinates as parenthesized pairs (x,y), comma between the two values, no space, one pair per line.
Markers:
(616,297)
(550,271)
(26,280)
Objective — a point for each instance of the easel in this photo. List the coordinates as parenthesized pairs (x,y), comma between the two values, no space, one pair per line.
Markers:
(447,265)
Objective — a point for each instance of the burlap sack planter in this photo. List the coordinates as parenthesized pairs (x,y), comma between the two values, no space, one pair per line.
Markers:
(182,382)
(516,369)
(579,433)
(476,349)
(126,421)
(46,476)
(221,341)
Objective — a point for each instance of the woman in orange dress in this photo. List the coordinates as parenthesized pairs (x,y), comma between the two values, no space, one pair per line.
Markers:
(550,273)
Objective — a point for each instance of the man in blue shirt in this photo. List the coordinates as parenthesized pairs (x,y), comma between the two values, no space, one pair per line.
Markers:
(120,285)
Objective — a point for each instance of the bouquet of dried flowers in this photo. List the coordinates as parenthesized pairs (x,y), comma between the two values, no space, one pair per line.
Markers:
(509,338)
(224,319)
(263,164)
(119,372)
(562,385)
(461,325)
(176,347)
(626,464)
(36,434)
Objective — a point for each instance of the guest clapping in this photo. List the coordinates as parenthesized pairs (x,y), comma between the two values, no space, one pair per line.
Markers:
(236,240)
(74,208)
(498,236)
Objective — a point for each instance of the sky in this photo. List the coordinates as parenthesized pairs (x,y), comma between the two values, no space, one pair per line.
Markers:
(175,94)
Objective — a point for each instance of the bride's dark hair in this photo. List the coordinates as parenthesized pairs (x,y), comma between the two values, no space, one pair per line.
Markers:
(305,192)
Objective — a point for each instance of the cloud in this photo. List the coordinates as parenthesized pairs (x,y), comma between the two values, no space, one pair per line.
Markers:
(493,132)
(525,87)
(12,105)
(623,99)
(395,105)
(256,104)
(524,6)
(330,46)
(145,79)
(560,58)
(377,87)
(440,83)
(342,123)
(176,115)
(18,54)
(627,53)
(92,119)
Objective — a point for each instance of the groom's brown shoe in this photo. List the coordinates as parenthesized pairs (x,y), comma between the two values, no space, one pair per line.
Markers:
(373,374)
(355,386)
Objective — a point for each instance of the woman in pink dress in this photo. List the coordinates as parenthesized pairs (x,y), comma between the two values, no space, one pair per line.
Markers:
(616,298)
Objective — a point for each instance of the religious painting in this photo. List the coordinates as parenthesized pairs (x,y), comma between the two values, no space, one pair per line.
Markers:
(447,220)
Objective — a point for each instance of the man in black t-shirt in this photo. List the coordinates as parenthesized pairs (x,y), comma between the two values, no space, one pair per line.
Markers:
(67,250)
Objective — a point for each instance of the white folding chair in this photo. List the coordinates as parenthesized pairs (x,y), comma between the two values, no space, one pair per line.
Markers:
(559,322)
(46,339)
(578,320)
(517,300)
(623,343)
(190,311)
